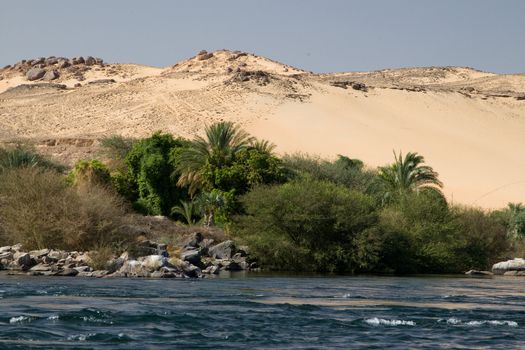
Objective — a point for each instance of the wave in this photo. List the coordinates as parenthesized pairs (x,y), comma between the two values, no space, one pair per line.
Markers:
(380,321)
(455,321)
(19,319)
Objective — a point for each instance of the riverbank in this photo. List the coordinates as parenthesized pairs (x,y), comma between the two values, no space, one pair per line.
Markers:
(195,258)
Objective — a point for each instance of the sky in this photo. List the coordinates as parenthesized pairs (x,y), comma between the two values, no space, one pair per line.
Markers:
(321,36)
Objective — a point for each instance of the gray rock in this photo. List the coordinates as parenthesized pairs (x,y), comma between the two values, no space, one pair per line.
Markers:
(63,64)
(212,270)
(192,240)
(83,269)
(191,270)
(99,273)
(6,248)
(39,253)
(41,268)
(6,255)
(224,250)
(51,75)
(51,60)
(232,266)
(22,259)
(478,273)
(191,256)
(206,243)
(90,61)
(35,74)
(67,272)
(154,262)
(517,264)
(85,274)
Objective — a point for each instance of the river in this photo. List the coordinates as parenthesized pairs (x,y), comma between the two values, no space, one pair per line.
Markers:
(260,311)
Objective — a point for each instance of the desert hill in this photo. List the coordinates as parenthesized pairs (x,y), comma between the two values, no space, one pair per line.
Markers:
(470,125)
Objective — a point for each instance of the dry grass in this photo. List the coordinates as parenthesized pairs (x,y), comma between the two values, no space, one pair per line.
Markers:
(39,210)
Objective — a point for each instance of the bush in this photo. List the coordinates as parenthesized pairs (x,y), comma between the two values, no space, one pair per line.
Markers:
(22,156)
(418,236)
(421,234)
(39,210)
(484,238)
(250,167)
(89,173)
(309,225)
(149,179)
(344,171)
(114,150)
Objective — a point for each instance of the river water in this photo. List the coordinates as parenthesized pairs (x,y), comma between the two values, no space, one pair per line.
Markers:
(259,311)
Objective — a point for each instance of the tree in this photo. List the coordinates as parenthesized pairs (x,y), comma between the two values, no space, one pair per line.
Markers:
(209,203)
(408,174)
(186,210)
(218,149)
(150,174)
(516,220)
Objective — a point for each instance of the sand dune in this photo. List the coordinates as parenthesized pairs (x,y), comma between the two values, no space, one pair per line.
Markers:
(470,125)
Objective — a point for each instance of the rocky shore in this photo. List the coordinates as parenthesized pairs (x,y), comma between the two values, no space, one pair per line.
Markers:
(196,257)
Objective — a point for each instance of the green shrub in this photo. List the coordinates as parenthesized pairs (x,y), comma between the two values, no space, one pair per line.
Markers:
(39,210)
(343,171)
(115,148)
(150,176)
(248,168)
(309,225)
(23,156)
(88,173)
(485,239)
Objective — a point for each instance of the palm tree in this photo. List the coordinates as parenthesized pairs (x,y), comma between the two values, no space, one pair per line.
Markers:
(222,142)
(209,203)
(187,210)
(407,174)
(263,146)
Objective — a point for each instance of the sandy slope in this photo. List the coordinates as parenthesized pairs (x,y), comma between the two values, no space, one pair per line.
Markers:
(470,125)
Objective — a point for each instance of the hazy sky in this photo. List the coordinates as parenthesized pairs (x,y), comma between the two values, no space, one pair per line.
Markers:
(322,36)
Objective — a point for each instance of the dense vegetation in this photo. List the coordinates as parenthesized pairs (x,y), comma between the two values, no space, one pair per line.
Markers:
(293,213)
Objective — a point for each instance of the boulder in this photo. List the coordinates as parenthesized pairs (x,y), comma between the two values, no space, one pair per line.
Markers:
(63,64)
(67,272)
(192,240)
(191,256)
(6,248)
(35,74)
(224,250)
(154,262)
(83,269)
(39,253)
(516,264)
(6,255)
(99,273)
(51,75)
(22,260)
(212,270)
(90,61)
(478,273)
(41,268)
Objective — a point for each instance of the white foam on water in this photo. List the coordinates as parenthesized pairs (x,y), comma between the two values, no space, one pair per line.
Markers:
(493,323)
(347,295)
(54,317)
(380,321)
(18,319)
(80,337)
(455,321)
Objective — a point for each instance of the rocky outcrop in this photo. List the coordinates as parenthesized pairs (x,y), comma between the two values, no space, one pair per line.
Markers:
(514,267)
(35,74)
(197,257)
